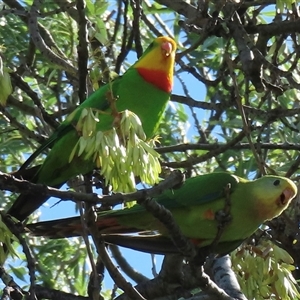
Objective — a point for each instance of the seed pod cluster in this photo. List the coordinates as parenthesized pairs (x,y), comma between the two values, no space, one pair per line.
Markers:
(122,153)
(265,272)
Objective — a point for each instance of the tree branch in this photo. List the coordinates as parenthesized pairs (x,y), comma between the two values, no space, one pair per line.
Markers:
(10,183)
(125,266)
(82,50)
(30,261)
(225,277)
(40,43)
(47,293)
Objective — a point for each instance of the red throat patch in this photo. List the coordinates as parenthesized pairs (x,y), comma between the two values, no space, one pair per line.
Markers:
(158,78)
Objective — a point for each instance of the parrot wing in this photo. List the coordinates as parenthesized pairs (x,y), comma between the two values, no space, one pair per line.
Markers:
(199,190)
(66,126)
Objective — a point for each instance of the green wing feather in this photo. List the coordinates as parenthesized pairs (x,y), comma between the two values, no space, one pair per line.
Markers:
(199,190)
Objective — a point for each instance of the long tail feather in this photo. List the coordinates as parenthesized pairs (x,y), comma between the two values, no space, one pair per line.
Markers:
(155,244)
(70,227)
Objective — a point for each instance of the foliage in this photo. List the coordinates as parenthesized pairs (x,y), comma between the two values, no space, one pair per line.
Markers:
(264,271)
(234,107)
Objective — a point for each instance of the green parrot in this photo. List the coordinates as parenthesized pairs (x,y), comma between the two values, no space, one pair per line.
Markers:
(195,207)
(143,89)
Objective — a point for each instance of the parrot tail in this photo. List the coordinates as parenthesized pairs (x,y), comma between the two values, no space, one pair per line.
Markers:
(28,202)
(70,227)
(25,205)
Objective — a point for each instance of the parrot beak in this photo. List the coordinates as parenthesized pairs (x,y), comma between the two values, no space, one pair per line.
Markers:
(286,196)
(166,48)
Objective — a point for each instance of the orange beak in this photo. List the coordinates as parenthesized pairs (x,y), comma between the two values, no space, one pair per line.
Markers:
(166,48)
(286,196)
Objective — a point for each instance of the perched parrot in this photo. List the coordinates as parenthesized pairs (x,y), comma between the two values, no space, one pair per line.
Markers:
(195,207)
(143,89)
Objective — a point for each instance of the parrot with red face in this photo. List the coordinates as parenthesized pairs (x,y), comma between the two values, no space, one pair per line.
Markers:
(143,89)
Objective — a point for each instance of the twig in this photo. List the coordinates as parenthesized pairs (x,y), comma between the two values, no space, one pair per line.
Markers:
(191,161)
(150,25)
(160,21)
(111,268)
(12,288)
(246,125)
(22,128)
(294,167)
(124,48)
(223,217)
(10,183)
(88,218)
(125,266)
(153,261)
(96,278)
(30,261)
(13,11)
(183,244)
(213,146)
(94,283)
(251,63)
(40,43)
(253,112)
(82,50)
(193,71)
(178,279)
(24,86)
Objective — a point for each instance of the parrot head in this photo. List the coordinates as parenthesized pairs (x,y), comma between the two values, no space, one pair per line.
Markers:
(273,195)
(157,63)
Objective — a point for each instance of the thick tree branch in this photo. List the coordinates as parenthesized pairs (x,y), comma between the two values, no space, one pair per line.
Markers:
(225,277)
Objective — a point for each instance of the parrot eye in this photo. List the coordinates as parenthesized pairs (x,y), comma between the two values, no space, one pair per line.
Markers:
(276,182)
